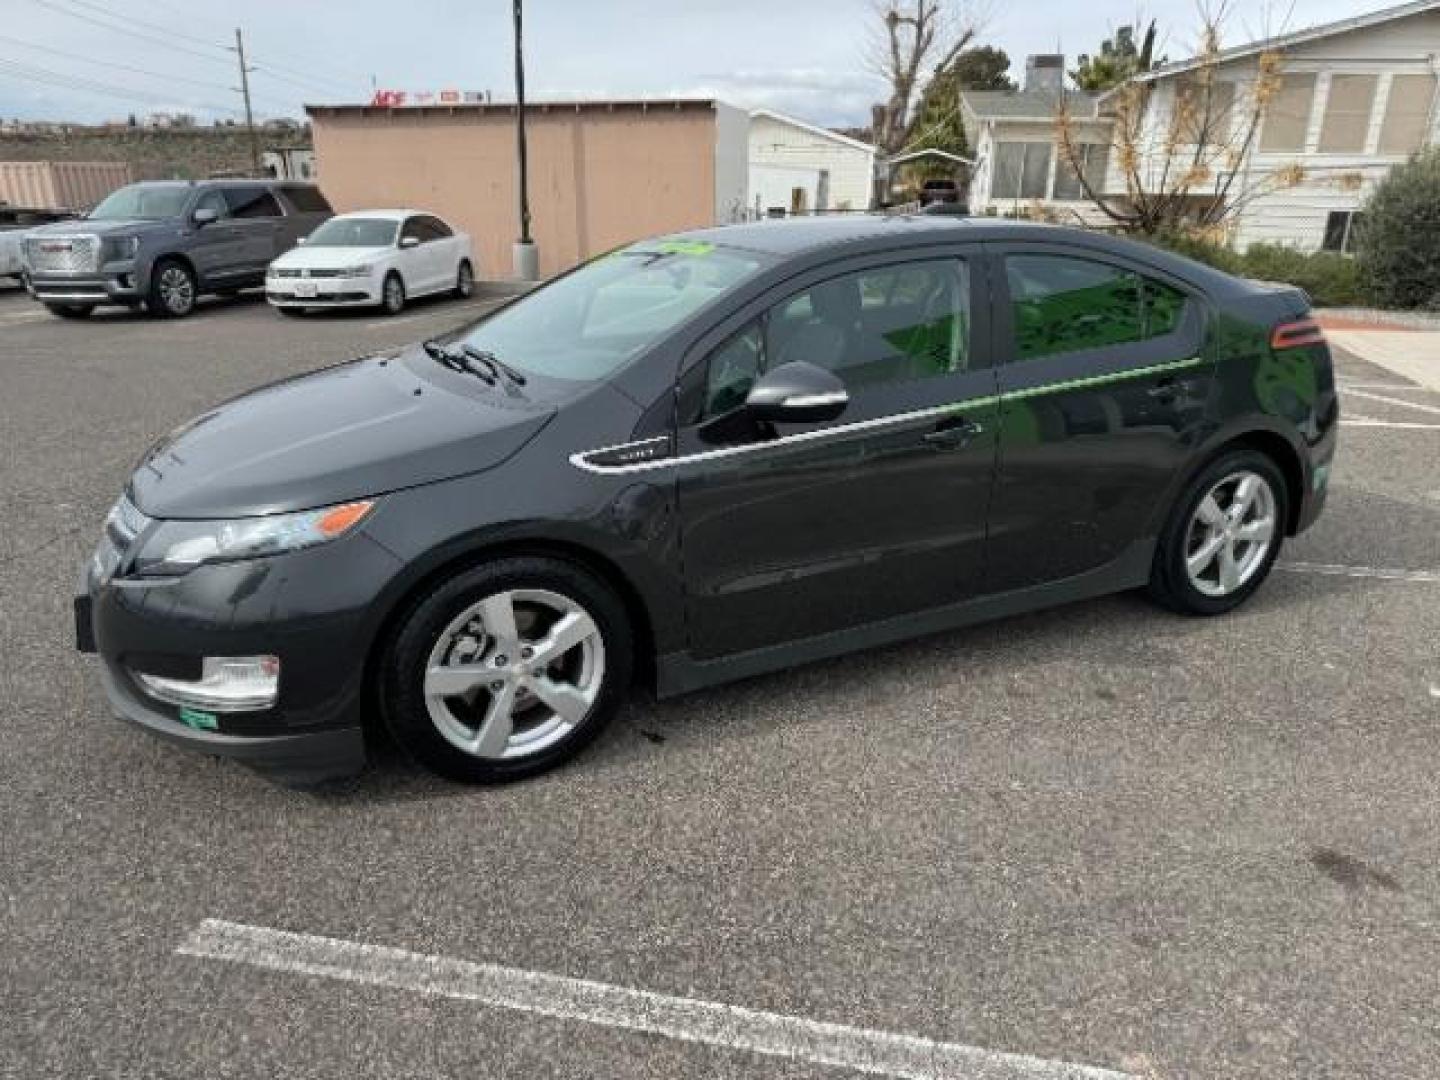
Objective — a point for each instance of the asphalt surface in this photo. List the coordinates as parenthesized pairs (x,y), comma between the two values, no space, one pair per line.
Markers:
(1101,834)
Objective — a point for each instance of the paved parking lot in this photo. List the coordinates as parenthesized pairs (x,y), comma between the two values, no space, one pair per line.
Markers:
(1102,835)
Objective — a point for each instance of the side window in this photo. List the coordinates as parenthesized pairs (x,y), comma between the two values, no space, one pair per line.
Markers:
(732,370)
(1063,304)
(435,229)
(256,202)
(307,199)
(413,230)
(213,200)
(887,325)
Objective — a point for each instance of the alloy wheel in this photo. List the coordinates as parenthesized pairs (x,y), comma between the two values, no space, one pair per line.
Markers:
(1230,533)
(177,290)
(394,295)
(465,283)
(514,674)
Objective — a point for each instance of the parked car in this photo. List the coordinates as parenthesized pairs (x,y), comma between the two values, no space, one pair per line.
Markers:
(166,244)
(372,258)
(15,224)
(701,458)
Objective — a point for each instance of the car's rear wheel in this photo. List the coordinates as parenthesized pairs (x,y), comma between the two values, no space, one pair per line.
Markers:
(392,294)
(1223,536)
(465,281)
(506,670)
(173,289)
(71,311)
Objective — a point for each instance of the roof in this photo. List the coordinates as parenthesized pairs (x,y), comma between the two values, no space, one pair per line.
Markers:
(1028,105)
(824,133)
(1299,37)
(389,215)
(507,108)
(929,151)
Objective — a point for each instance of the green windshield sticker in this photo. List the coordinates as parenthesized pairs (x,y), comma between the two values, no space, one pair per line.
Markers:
(202,721)
(684,247)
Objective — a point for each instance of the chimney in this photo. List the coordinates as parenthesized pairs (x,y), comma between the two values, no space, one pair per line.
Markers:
(1045,73)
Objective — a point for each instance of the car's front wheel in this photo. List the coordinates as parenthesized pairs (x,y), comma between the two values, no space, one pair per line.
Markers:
(1222,537)
(392,294)
(173,289)
(507,669)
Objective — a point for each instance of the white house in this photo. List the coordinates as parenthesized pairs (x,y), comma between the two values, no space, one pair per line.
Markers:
(801,167)
(1356,98)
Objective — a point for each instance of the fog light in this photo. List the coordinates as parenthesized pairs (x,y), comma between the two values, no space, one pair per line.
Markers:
(227,684)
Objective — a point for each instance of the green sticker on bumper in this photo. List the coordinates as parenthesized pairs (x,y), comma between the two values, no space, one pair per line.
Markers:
(201,721)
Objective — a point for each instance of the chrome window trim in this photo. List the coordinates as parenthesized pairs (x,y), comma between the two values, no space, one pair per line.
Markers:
(799,438)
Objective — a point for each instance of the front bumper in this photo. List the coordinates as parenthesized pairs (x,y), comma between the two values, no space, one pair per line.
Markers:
(310,608)
(106,286)
(321,292)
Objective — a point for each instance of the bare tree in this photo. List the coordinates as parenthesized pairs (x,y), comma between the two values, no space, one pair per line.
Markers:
(911,40)
(1187,168)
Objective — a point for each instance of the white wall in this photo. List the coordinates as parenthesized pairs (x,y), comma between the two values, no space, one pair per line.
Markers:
(775,143)
(732,128)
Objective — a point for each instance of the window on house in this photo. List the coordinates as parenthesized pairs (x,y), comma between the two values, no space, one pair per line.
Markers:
(1340,226)
(1094,160)
(1407,113)
(1347,114)
(1287,117)
(1204,115)
(1022,170)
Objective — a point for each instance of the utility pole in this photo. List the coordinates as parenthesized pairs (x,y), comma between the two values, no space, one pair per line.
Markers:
(249,116)
(526,257)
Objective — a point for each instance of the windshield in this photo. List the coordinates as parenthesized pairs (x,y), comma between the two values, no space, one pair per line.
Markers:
(354,232)
(149,201)
(588,323)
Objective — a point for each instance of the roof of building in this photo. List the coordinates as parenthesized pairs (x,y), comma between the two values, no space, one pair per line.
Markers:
(814,129)
(1298,37)
(508,107)
(1028,105)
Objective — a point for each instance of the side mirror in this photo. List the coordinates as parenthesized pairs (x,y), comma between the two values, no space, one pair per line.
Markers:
(797,393)
(410,242)
(206,215)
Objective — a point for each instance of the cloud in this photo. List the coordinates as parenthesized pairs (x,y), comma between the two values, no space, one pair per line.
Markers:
(819,95)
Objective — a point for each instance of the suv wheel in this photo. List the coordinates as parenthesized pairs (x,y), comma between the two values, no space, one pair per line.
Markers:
(1223,536)
(392,294)
(506,670)
(71,311)
(172,289)
(464,281)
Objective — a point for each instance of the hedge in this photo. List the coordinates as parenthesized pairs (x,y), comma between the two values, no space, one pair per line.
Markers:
(1331,280)
(1397,241)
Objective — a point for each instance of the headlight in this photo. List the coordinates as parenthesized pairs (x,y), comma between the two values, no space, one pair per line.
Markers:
(363,270)
(177,547)
(121,247)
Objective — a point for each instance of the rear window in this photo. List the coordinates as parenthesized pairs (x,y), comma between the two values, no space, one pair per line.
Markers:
(307,199)
(256,202)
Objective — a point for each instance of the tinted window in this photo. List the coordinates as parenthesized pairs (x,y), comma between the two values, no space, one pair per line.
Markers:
(256,202)
(892,324)
(435,229)
(306,199)
(414,230)
(213,200)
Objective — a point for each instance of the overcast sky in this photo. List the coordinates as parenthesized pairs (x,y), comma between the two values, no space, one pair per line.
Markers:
(805,57)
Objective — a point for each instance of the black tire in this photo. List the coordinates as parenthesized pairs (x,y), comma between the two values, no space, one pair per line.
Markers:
(464,281)
(173,289)
(392,294)
(403,703)
(1170,583)
(292,312)
(71,311)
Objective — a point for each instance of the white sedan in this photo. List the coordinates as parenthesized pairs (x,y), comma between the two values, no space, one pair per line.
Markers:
(372,258)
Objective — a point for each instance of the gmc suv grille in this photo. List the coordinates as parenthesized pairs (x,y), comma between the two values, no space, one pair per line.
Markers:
(63,254)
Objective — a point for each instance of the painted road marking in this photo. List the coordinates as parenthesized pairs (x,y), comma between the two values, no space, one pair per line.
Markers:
(1377,572)
(1404,425)
(877,1052)
(1394,401)
(1399,388)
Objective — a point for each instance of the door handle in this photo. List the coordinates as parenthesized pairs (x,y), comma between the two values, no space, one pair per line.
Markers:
(952,435)
(1165,390)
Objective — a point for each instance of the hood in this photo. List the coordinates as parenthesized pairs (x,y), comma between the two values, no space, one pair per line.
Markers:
(348,432)
(326,258)
(84,226)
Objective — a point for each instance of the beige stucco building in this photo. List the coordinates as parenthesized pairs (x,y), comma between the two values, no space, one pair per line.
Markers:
(601,172)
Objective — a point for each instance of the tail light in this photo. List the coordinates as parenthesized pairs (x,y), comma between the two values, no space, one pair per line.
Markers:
(1297,334)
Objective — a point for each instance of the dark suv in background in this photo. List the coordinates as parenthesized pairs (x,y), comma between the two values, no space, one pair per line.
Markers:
(164,244)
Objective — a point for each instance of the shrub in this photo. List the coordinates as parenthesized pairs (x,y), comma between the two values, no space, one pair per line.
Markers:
(1397,242)
(1332,280)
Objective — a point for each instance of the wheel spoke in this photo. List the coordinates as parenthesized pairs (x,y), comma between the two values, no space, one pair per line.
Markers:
(1229,568)
(494,733)
(1210,512)
(1205,555)
(455,679)
(1245,492)
(567,701)
(572,628)
(1257,532)
(498,614)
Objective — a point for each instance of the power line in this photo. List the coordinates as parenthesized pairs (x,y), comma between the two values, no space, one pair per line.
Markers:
(168,31)
(62,81)
(54,5)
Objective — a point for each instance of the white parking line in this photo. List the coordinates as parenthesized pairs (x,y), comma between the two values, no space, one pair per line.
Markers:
(1404,425)
(876,1052)
(1393,401)
(1399,388)
(1378,572)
